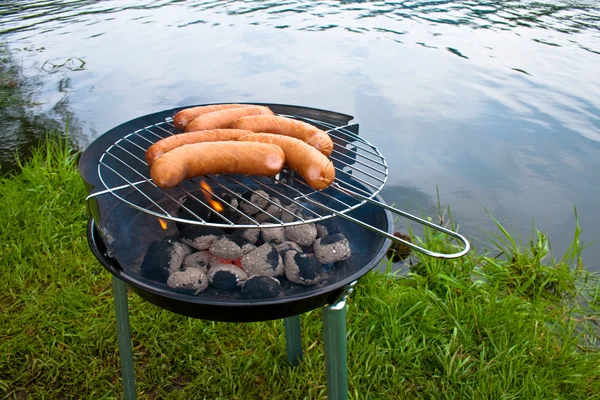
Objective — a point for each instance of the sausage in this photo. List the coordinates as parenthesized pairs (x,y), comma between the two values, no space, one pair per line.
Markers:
(198,159)
(171,142)
(316,169)
(289,127)
(224,118)
(185,116)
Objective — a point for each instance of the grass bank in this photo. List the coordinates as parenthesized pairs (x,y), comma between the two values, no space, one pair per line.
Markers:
(502,324)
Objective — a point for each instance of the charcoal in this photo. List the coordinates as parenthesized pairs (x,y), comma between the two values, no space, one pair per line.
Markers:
(199,259)
(199,237)
(247,248)
(228,247)
(255,203)
(226,276)
(260,287)
(292,212)
(195,207)
(250,234)
(274,209)
(333,226)
(304,234)
(162,258)
(276,235)
(230,199)
(332,248)
(321,231)
(286,246)
(189,279)
(265,260)
(263,217)
(304,269)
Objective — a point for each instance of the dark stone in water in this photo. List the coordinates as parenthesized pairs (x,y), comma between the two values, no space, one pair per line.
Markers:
(260,287)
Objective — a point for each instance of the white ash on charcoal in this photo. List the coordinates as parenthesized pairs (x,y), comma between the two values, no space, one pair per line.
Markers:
(162,258)
(276,235)
(230,199)
(257,200)
(271,212)
(332,248)
(226,276)
(188,279)
(260,287)
(200,237)
(283,248)
(291,212)
(251,234)
(303,269)
(228,247)
(199,259)
(247,248)
(322,231)
(304,234)
(265,261)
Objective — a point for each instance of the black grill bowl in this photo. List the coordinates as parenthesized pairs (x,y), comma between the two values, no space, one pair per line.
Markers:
(119,235)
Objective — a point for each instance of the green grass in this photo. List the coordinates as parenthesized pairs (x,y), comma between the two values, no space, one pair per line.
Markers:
(504,324)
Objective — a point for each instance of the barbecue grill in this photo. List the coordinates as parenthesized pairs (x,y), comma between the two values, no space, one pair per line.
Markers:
(128,213)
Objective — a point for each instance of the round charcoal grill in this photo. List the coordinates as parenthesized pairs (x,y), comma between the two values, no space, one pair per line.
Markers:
(128,212)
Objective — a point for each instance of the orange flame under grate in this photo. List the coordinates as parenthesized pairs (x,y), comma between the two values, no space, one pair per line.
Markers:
(213,203)
(163,224)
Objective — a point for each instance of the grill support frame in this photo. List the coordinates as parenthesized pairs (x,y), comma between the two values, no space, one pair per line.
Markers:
(334,333)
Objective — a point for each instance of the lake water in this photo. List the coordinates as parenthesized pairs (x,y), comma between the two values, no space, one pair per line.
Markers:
(495,103)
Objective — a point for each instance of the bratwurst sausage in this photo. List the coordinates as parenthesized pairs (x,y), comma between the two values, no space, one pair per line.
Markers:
(316,169)
(224,118)
(289,127)
(171,142)
(185,116)
(198,159)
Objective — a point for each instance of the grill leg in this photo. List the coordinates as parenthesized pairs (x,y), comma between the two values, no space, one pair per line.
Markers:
(334,327)
(293,342)
(124,337)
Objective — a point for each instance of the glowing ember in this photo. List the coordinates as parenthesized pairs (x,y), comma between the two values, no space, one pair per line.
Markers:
(163,224)
(207,194)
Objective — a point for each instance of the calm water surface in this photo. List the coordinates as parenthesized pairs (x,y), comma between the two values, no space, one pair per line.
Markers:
(497,103)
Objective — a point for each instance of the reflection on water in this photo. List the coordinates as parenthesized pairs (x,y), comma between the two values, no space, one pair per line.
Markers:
(496,103)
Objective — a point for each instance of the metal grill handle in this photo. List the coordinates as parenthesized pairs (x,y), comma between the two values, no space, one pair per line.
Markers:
(430,253)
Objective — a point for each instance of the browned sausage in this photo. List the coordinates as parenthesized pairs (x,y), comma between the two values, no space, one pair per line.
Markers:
(316,169)
(185,116)
(199,159)
(171,142)
(224,118)
(289,127)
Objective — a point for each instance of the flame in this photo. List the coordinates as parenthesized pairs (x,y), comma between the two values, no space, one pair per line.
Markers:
(213,203)
(163,224)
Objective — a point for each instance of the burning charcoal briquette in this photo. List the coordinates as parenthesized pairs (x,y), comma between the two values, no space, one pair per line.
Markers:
(286,246)
(301,268)
(162,258)
(276,235)
(260,287)
(321,231)
(265,260)
(304,234)
(199,259)
(291,212)
(196,207)
(251,234)
(231,199)
(258,201)
(226,276)
(199,237)
(247,248)
(332,248)
(189,279)
(228,247)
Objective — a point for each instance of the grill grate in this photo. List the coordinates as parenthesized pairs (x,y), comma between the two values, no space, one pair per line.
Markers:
(123,171)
